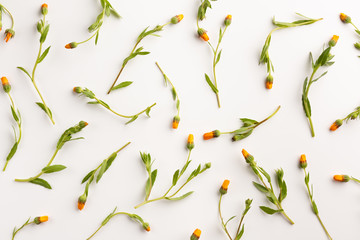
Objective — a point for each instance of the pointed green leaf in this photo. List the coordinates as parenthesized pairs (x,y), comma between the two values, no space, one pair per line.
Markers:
(43,55)
(132,119)
(212,86)
(41,182)
(24,70)
(110,160)
(42,106)
(269,211)
(87,176)
(122,85)
(175,177)
(53,168)
(261,188)
(218,57)
(181,197)
(16,118)
(101,171)
(12,151)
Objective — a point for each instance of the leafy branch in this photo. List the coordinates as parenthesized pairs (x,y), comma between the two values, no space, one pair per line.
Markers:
(49,168)
(265,57)
(89,94)
(37,221)
(43,28)
(268,189)
(98,172)
(352,116)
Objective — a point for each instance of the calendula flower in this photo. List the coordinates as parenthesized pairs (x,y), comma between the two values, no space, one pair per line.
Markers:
(248,157)
(9,33)
(303,163)
(81,202)
(212,134)
(333,40)
(224,187)
(345,18)
(175,122)
(336,125)
(71,45)
(41,219)
(269,82)
(44,9)
(203,35)
(341,178)
(196,235)
(190,142)
(6,85)
(228,20)
(177,19)
(146,226)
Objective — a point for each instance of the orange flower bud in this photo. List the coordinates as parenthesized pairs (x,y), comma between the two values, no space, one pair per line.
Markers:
(345,18)
(336,125)
(341,178)
(203,35)
(82,198)
(303,163)
(177,19)
(210,135)
(248,158)
(224,187)
(228,20)
(175,122)
(44,9)
(333,40)
(41,219)
(269,82)
(190,142)
(196,234)
(9,33)
(6,85)
(146,226)
(71,45)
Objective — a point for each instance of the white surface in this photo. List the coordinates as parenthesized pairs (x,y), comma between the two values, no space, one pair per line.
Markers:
(185,58)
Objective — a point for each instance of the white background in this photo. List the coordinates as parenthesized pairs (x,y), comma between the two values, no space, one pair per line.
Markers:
(185,59)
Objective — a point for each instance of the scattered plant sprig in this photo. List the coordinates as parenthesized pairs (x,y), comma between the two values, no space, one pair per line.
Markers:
(176,119)
(265,57)
(339,122)
(248,126)
(323,61)
(17,117)
(49,168)
(241,228)
(99,172)
(136,51)
(37,221)
(146,158)
(107,10)
(347,19)
(216,55)
(345,178)
(310,190)
(268,190)
(43,28)
(9,33)
(134,217)
(89,94)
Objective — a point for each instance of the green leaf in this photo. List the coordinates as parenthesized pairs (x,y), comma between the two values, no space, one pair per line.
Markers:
(212,86)
(122,85)
(320,76)
(229,220)
(115,13)
(185,167)
(44,34)
(305,85)
(15,116)
(269,211)
(148,111)
(181,197)
(53,168)
(101,171)
(12,151)
(283,191)
(132,119)
(306,106)
(175,177)
(248,122)
(315,208)
(87,176)
(43,55)
(218,57)
(24,70)
(240,233)
(42,106)
(173,92)
(265,174)
(96,38)
(110,160)
(261,188)
(153,176)
(41,182)
(106,220)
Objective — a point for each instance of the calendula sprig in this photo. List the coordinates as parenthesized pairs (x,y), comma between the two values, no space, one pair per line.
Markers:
(352,116)
(345,178)
(265,57)
(87,93)
(9,33)
(17,117)
(347,19)
(246,129)
(176,119)
(303,165)
(205,4)
(323,61)
(134,217)
(43,28)
(136,51)
(37,221)
(107,10)
(99,172)
(216,55)
(269,190)
(49,168)
(196,234)
(241,228)
(146,158)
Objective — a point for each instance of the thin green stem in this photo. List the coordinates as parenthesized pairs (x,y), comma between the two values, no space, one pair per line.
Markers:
(41,173)
(222,219)
(285,215)
(11,16)
(323,226)
(354,26)
(306,97)
(92,36)
(278,108)
(239,227)
(355,179)
(14,234)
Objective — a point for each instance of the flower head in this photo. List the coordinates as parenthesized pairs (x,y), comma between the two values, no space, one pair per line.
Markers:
(341,178)
(176,19)
(6,85)
(190,142)
(9,33)
(41,219)
(146,226)
(212,134)
(345,18)
(248,157)
(336,125)
(203,35)
(82,201)
(78,89)
(303,163)
(269,81)
(196,235)
(44,9)
(228,20)
(71,45)
(175,122)
(333,40)
(224,187)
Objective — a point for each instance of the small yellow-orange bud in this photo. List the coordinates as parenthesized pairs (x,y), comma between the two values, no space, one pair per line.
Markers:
(345,18)
(341,178)
(196,234)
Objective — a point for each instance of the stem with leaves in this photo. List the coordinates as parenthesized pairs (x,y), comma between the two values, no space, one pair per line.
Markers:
(65,137)
(176,118)
(89,94)
(347,19)
(146,158)
(37,221)
(107,10)
(268,189)
(352,116)
(265,57)
(134,217)
(323,60)
(99,172)
(139,51)
(248,126)
(9,33)
(43,28)
(303,165)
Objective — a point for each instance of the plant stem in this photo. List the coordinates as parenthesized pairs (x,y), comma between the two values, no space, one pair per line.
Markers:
(28,223)
(41,173)
(11,16)
(97,31)
(222,219)
(278,108)
(306,97)
(355,179)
